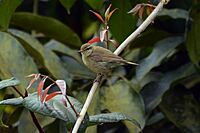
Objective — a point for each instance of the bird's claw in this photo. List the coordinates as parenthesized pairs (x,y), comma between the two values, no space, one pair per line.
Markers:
(98,78)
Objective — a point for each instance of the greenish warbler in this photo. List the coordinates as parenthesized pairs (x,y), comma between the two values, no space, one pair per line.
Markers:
(101,60)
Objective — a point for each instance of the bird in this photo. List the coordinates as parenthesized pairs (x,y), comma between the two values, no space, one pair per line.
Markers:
(101,60)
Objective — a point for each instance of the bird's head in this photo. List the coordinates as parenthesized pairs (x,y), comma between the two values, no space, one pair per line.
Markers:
(86,49)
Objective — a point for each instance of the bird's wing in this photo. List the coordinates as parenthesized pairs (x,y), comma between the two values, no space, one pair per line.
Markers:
(106,57)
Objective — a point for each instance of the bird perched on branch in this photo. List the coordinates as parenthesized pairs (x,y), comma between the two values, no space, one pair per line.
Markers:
(101,60)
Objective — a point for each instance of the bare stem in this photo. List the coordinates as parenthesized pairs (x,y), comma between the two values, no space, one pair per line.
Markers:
(138,31)
(37,124)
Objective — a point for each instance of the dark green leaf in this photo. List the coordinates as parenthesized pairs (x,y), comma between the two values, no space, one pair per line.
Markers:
(153,92)
(49,26)
(181,108)
(175,13)
(111,117)
(46,57)
(193,41)
(9,82)
(122,24)
(149,38)
(15,61)
(95,4)
(162,49)
(120,97)
(67,4)
(7,8)
(26,122)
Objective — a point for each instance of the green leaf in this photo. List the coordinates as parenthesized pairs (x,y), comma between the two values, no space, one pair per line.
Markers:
(77,70)
(152,93)
(49,26)
(53,108)
(67,4)
(56,46)
(9,82)
(7,8)
(175,13)
(95,4)
(161,50)
(13,101)
(121,23)
(15,61)
(120,97)
(110,117)
(26,122)
(193,41)
(181,108)
(44,56)
(149,38)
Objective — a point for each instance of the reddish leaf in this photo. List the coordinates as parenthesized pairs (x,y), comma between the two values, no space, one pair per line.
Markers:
(102,35)
(50,96)
(36,76)
(141,11)
(93,40)
(62,85)
(110,14)
(114,42)
(107,11)
(98,16)
(45,92)
(135,10)
(41,85)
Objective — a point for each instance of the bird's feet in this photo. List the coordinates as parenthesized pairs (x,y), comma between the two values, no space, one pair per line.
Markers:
(98,78)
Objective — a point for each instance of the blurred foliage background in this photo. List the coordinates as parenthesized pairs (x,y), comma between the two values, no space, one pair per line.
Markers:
(161,95)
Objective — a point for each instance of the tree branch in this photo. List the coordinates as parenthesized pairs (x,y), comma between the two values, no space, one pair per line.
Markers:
(138,31)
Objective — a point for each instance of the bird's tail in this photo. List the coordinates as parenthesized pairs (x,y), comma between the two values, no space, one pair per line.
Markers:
(132,63)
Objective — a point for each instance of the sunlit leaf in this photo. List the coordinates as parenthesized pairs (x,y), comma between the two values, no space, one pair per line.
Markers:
(121,97)
(44,56)
(15,61)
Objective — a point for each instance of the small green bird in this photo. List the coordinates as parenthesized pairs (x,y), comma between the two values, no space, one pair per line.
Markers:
(101,60)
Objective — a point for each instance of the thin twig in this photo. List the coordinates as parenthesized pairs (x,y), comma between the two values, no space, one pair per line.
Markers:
(37,124)
(72,106)
(18,92)
(138,31)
